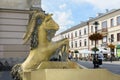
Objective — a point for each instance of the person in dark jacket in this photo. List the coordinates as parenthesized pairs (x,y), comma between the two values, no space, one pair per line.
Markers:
(95,61)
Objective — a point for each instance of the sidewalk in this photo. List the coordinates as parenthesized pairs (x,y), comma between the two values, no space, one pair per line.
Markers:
(113,62)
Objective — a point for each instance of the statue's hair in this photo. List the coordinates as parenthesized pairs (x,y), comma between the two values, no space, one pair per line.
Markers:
(34,35)
(32,24)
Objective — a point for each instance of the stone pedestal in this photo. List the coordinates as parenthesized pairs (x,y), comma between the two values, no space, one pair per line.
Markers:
(68,73)
(59,65)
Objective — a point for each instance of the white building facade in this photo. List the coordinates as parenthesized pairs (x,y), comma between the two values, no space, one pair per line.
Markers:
(109,27)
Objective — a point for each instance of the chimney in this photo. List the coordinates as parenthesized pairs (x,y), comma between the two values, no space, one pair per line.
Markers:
(99,14)
(107,10)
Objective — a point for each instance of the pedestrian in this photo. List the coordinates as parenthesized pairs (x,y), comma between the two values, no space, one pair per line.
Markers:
(100,58)
(95,61)
(111,59)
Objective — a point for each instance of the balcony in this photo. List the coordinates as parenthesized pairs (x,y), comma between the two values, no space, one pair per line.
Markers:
(103,31)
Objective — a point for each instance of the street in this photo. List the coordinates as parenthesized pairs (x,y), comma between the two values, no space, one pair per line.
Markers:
(114,68)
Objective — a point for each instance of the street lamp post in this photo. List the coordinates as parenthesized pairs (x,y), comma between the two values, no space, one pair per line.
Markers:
(94,37)
(96,25)
(111,48)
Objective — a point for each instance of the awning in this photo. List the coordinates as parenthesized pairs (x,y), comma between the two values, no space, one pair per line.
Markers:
(86,51)
(118,47)
(102,50)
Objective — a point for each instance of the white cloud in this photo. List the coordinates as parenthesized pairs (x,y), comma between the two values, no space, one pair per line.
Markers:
(105,4)
(64,19)
(63,6)
(61,14)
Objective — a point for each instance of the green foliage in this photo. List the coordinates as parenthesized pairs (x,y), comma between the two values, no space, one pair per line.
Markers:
(95,49)
(76,51)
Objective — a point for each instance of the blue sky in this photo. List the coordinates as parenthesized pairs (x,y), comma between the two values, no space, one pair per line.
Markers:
(68,13)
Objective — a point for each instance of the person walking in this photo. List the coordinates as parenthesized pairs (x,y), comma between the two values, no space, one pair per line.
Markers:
(100,59)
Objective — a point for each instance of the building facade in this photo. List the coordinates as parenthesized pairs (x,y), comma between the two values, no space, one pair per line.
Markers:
(109,27)
(14,18)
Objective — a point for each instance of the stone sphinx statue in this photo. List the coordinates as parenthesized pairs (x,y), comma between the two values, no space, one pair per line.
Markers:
(41,28)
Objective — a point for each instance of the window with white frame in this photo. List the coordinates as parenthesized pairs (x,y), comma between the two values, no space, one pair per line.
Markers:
(71,35)
(112,22)
(72,44)
(91,42)
(75,33)
(104,24)
(84,31)
(76,44)
(68,36)
(104,39)
(79,32)
(85,42)
(80,44)
(112,38)
(91,28)
(118,20)
(118,36)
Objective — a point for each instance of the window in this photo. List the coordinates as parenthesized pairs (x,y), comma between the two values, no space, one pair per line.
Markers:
(71,35)
(79,32)
(104,39)
(75,33)
(118,20)
(111,22)
(65,36)
(68,36)
(84,31)
(85,43)
(91,28)
(118,36)
(104,24)
(112,37)
(91,42)
(71,44)
(76,44)
(80,43)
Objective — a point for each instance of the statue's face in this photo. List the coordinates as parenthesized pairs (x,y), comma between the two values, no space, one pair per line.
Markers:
(50,24)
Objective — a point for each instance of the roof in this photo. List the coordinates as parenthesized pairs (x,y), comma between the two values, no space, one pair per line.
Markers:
(74,27)
(104,14)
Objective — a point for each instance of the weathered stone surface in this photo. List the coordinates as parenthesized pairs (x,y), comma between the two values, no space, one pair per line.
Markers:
(70,74)
(19,4)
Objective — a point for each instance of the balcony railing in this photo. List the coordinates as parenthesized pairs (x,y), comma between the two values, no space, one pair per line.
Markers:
(104,29)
